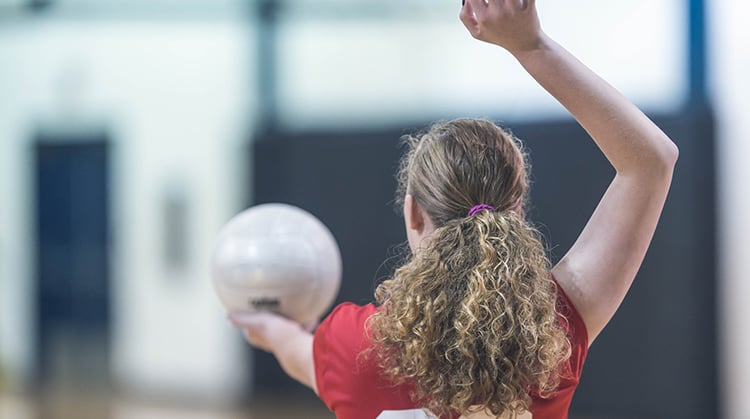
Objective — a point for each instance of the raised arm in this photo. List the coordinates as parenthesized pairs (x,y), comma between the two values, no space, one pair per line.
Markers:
(598,270)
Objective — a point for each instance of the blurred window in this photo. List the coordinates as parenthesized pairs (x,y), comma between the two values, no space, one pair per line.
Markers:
(369,61)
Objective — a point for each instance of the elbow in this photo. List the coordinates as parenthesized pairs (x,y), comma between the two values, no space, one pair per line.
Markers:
(671,153)
(656,161)
(664,158)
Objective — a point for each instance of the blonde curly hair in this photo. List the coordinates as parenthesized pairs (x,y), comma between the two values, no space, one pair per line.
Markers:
(470,319)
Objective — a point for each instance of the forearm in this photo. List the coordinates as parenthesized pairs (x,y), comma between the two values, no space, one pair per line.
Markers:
(630,141)
(289,342)
(295,355)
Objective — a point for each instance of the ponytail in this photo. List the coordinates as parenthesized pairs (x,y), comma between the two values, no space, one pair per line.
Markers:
(470,318)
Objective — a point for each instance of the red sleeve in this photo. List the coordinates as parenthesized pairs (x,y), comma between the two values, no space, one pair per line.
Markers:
(556,406)
(347,378)
(333,342)
(576,329)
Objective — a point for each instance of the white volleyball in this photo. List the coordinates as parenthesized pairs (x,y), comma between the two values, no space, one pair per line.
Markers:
(277,257)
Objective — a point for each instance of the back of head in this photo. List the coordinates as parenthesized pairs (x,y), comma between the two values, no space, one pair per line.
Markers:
(462,163)
(470,319)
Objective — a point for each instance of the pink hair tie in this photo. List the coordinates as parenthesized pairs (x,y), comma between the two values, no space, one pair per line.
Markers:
(481,207)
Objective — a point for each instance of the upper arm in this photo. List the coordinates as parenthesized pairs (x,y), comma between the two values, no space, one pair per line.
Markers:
(599,268)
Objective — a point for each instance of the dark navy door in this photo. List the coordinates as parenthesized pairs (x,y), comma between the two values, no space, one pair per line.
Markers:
(72,261)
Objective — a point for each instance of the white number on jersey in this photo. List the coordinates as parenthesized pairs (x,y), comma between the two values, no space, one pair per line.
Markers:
(405,414)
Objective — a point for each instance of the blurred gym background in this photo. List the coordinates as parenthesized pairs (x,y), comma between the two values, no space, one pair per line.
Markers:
(131,131)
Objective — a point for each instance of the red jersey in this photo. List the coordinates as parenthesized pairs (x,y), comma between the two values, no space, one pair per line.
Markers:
(352,387)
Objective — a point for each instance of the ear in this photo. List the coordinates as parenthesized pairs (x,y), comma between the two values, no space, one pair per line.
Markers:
(413,215)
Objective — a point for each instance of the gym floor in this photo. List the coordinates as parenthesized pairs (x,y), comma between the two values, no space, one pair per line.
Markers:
(89,407)
(97,407)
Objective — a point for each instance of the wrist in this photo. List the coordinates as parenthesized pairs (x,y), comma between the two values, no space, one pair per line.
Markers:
(284,333)
(540,43)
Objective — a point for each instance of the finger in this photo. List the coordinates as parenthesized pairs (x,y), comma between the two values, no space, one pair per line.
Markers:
(483,8)
(253,329)
(255,340)
(471,14)
(243,319)
(467,15)
(521,5)
(477,5)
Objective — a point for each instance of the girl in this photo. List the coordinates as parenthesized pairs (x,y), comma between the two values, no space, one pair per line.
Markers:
(476,323)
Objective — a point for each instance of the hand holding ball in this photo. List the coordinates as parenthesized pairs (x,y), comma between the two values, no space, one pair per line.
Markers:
(277,257)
